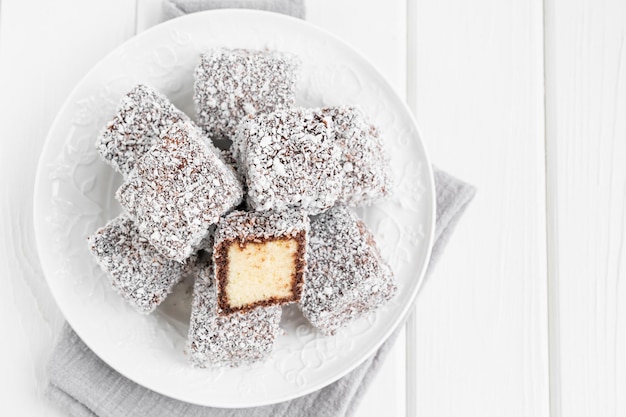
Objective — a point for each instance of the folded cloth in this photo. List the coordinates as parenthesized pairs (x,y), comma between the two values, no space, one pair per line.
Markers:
(175,8)
(87,387)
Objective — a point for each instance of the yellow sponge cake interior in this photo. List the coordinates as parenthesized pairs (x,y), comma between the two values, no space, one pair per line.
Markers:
(260,271)
(259,259)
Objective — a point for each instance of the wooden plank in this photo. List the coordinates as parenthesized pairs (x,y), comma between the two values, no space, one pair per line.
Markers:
(149,13)
(586,101)
(482,337)
(412,330)
(39,45)
(377,30)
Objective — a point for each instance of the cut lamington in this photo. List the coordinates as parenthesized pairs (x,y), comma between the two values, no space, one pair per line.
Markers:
(259,259)
(178,189)
(346,275)
(289,160)
(136,270)
(238,339)
(365,169)
(141,116)
(231,83)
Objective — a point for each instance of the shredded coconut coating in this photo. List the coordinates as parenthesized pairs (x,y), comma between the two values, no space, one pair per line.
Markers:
(346,276)
(229,158)
(289,160)
(231,83)
(140,118)
(365,169)
(234,340)
(311,158)
(260,226)
(241,227)
(136,270)
(179,188)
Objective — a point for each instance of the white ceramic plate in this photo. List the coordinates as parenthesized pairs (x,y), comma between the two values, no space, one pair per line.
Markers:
(74,195)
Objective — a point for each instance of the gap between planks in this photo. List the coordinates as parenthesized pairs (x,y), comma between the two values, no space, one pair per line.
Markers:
(554,365)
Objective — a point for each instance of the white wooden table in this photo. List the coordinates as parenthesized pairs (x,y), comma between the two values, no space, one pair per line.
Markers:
(523,98)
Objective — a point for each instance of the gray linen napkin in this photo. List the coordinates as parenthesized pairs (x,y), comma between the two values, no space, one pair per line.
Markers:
(175,8)
(87,387)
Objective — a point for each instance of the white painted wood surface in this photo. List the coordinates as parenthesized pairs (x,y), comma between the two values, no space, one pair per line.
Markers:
(522,315)
(586,109)
(45,48)
(482,337)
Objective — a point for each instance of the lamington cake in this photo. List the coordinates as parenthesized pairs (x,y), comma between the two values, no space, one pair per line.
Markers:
(365,169)
(289,160)
(238,339)
(178,189)
(231,83)
(259,259)
(141,116)
(346,276)
(136,270)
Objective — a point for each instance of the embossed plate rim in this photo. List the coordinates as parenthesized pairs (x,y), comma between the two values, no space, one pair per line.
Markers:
(199,386)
